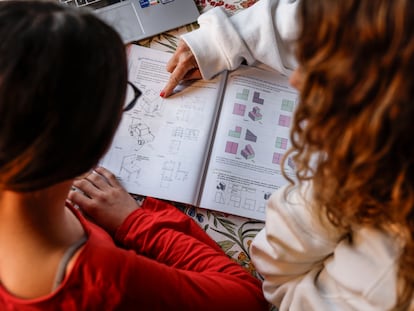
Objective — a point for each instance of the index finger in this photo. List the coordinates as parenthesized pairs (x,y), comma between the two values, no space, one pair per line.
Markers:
(176,76)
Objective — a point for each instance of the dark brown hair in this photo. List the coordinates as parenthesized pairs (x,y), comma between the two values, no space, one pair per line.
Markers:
(353,129)
(63,76)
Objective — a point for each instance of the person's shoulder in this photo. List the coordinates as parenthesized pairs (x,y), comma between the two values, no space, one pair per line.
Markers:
(99,251)
(99,278)
(294,206)
(101,264)
(367,264)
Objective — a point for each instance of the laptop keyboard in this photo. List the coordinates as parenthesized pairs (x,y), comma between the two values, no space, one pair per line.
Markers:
(94,3)
(79,3)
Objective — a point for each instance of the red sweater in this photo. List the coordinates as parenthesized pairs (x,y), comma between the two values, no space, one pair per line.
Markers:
(162,261)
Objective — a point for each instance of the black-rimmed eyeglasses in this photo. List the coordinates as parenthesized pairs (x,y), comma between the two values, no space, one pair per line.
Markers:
(137,93)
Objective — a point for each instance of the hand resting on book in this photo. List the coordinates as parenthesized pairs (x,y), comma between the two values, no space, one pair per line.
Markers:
(103,198)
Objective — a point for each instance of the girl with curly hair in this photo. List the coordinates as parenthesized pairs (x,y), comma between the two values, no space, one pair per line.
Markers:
(341,235)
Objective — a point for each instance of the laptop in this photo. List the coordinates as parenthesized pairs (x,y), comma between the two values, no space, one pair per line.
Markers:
(140,19)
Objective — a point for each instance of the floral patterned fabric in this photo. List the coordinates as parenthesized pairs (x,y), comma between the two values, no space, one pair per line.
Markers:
(234,234)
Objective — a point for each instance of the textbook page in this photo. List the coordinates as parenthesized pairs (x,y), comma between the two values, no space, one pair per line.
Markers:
(251,139)
(160,147)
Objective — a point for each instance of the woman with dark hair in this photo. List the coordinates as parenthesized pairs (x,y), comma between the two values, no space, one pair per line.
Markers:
(63,79)
(341,235)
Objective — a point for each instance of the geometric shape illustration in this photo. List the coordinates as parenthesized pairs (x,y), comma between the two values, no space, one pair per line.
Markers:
(231,147)
(239,109)
(248,152)
(284,120)
(250,136)
(256,98)
(277,158)
(236,132)
(281,142)
(255,114)
(243,94)
(287,105)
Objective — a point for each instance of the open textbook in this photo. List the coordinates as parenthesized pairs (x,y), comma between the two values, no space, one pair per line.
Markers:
(215,144)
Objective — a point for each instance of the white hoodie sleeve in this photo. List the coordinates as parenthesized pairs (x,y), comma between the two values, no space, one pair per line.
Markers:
(262,33)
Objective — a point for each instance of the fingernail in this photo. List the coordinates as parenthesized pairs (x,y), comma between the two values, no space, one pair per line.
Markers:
(162,94)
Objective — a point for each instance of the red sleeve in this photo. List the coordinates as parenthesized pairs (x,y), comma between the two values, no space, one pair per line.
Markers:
(159,218)
(195,265)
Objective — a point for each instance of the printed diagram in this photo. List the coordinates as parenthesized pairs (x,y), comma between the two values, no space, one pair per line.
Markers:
(243,95)
(130,168)
(172,171)
(231,147)
(190,134)
(255,114)
(248,152)
(221,186)
(277,158)
(236,132)
(257,99)
(239,196)
(287,105)
(250,136)
(150,102)
(141,132)
(181,134)
(191,108)
(239,109)
(131,164)
(194,103)
(281,143)
(284,120)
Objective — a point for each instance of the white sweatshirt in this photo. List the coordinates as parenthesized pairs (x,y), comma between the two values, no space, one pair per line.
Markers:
(263,33)
(305,261)
(308,265)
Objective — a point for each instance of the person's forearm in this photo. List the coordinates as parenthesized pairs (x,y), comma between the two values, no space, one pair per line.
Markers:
(158,227)
(262,33)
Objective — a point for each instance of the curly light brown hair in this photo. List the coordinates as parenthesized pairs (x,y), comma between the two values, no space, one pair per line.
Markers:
(353,128)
